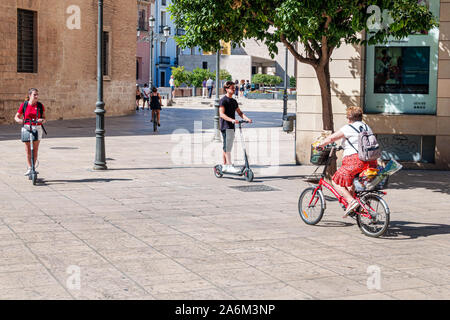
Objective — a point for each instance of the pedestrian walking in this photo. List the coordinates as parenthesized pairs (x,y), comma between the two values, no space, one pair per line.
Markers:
(172,86)
(138,96)
(236,88)
(204,89)
(32,110)
(146,92)
(209,85)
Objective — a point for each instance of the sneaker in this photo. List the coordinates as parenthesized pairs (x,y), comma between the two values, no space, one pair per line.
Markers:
(352,206)
(28,172)
(233,169)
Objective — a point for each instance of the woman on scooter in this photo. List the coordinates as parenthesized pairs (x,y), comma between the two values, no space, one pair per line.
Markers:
(228,107)
(34,110)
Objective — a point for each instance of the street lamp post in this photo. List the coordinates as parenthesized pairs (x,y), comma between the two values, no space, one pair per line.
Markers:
(216,102)
(285,98)
(151,24)
(151,38)
(100,161)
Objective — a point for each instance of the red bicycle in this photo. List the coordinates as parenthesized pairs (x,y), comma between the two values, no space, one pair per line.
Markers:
(372,214)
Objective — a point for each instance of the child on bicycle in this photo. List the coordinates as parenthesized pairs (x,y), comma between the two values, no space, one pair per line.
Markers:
(351,164)
(34,110)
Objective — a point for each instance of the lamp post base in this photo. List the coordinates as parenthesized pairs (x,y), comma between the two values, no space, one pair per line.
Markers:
(100,167)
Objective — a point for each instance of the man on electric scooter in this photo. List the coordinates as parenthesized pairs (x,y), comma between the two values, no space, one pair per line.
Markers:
(227,110)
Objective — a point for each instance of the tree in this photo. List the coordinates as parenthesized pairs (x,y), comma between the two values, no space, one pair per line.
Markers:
(292,82)
(225,75)
(179,75)
(318,26)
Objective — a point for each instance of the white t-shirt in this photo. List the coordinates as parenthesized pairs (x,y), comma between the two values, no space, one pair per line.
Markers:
(172,82)
(146,92)
(352,136)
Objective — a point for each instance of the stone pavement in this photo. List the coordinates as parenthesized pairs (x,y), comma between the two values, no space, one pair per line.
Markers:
(159,225)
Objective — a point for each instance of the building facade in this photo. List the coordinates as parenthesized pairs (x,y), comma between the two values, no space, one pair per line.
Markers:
(242,62)
(52,45)
(403,87)
(166,51)
(145,9)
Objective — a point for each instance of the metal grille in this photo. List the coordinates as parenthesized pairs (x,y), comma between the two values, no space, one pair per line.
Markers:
(26,41)
(255,188)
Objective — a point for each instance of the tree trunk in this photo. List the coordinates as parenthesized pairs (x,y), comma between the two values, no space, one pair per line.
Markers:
(323,75)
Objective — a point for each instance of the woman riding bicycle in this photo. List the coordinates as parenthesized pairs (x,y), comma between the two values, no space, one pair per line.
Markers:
(34,111)
(155,104)
(351,164)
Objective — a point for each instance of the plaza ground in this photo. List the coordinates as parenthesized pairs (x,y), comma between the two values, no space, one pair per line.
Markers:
(159,225)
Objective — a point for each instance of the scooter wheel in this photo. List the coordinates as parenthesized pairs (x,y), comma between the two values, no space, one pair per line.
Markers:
(249,175)
(218,171)
(34,178)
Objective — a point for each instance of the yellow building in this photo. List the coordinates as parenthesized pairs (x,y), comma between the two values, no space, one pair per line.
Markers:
(406,101)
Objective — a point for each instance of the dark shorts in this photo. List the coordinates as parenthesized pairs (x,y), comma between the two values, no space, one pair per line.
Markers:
(228,139)
(155,107)
(138,97)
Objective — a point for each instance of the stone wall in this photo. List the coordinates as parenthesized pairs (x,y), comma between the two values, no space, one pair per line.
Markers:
(67,59)
(347,89)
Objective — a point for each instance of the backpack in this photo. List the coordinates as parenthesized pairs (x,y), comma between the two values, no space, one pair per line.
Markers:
(40,108)
(40,112)
(368,147)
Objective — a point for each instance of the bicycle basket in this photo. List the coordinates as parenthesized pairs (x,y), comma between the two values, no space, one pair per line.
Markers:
(319,157)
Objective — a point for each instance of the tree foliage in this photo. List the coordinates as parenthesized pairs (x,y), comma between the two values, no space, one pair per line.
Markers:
(319,26)
(266,79)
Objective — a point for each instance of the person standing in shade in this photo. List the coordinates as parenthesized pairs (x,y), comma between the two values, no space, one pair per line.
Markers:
(236,88)
(228,107)
(209,85)
(138,96)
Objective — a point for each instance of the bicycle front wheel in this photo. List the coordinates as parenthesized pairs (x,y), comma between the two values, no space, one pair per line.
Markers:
(311,208)
(378,222)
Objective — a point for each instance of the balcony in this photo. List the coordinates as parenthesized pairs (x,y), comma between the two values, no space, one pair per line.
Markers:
(163,60)
(161,30)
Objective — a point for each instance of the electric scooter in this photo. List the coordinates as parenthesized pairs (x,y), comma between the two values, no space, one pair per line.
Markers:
(245,169)
(33,173)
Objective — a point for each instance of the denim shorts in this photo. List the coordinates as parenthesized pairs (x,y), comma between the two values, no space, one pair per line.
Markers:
(228,139)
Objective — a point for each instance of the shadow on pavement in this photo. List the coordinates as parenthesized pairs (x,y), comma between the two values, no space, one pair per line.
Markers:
(406,230)
(436,181)
(138,123)
(51,182)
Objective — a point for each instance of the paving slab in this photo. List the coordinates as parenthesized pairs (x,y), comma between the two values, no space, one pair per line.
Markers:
(159,225)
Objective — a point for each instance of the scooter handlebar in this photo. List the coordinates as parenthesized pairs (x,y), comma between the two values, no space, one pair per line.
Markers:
(243,121)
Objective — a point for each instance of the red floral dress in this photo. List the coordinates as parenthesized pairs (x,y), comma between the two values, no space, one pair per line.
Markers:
(351,166)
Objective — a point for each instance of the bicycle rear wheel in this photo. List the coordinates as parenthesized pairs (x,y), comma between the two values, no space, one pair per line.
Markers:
(377,224)
(311,209)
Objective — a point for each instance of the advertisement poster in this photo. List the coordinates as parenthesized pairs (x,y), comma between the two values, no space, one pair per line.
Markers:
(401,75)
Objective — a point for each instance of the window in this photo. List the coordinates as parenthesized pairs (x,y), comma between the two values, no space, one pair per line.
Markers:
(142,20)
(205,64)
(105,53)
(163,2)
(26,41)
(137,70)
